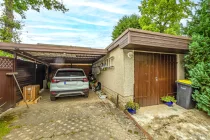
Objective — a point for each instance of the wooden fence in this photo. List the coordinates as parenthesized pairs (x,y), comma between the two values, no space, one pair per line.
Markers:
(29,73)
(7,85)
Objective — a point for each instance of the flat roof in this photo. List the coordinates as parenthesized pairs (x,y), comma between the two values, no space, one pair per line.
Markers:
(136,39)
(46,53)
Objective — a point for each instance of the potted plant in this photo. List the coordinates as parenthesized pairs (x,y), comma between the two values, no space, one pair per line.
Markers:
(48,85)
(168,100)
(131,107)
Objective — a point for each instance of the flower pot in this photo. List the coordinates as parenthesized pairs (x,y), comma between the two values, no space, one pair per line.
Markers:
(131,111)
(169,103)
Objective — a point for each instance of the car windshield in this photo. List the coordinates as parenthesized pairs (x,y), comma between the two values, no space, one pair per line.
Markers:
(69,73)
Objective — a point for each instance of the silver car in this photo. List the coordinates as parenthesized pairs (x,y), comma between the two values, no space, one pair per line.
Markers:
(69,82)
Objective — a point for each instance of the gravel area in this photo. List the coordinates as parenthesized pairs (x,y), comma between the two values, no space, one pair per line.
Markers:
(174,123)
(76,118)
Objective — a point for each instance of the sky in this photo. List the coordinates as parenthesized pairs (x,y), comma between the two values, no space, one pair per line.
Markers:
(88,23)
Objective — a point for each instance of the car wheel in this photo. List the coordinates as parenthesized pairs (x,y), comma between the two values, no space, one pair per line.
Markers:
(52,98)
(86,95)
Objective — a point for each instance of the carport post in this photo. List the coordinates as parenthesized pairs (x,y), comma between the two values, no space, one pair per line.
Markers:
(14,69)
(47,73)
(35,65)
(45,85)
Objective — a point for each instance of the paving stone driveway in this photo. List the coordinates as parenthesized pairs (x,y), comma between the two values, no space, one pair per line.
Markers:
(76,118)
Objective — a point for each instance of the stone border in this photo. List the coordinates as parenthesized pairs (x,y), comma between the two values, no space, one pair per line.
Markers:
(136,123)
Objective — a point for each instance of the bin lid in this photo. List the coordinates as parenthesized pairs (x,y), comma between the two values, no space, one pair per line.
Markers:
(185,81)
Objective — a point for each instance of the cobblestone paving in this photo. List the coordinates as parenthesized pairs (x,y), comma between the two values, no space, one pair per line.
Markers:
(74,118)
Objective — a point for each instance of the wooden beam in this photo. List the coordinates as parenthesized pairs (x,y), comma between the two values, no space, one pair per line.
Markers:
(46,54)
(14,85)
(26,55)
(72,61)
(54,57)
(51,48)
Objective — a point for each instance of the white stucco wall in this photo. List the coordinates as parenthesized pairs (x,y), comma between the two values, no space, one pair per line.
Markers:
(113,78)
(180,66)
(120,79)
(128,74)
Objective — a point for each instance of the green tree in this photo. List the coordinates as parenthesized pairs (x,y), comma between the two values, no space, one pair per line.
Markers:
(124,23)
(200,22)
(9,26)
(164,16)
(197,61)
(9,29)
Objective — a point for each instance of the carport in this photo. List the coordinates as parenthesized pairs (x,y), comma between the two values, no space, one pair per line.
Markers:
(47,54)
(37,62)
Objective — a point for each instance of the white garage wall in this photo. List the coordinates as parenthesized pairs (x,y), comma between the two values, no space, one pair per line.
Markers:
(120,79)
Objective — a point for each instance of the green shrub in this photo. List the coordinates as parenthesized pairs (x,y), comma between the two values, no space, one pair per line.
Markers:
(197,61)
(198,68)
(200,77)
(6,54)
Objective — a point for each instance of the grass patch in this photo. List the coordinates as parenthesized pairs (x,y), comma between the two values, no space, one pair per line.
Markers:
(130,131)
(4,129)
(135,132)
(5,125)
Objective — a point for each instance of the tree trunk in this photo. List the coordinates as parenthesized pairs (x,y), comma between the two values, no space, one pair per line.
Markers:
(161,28)
(10,17)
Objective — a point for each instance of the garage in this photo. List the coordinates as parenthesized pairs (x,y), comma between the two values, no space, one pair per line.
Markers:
(36,65)
(154,77)
(143,67)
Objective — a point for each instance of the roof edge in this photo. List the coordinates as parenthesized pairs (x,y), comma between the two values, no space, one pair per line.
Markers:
(125,32)
(51,48)
(157,33)
(146,32)
(25,45)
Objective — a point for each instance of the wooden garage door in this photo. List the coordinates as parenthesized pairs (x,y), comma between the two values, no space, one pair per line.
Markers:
(155,76)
